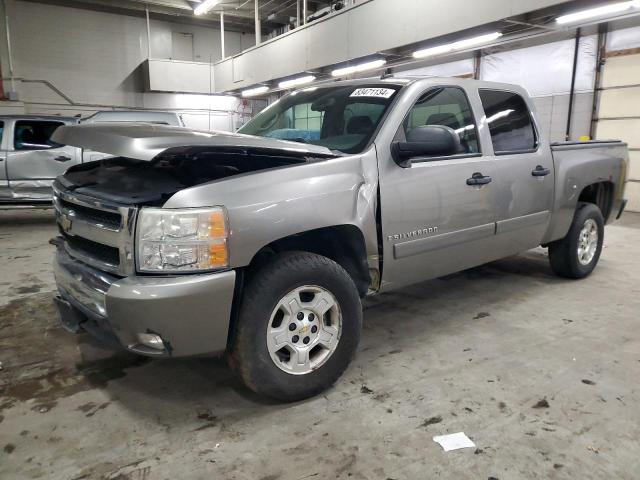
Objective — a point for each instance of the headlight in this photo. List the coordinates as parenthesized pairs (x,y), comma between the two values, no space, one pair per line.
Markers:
(184,240)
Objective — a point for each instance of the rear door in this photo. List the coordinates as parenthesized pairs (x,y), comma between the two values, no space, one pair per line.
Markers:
(525,180)
(34,160)
(433,222)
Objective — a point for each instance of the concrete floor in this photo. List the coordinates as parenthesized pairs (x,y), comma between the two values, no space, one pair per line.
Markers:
(476,352)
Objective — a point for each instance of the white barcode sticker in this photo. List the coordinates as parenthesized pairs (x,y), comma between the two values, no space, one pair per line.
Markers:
(373,92)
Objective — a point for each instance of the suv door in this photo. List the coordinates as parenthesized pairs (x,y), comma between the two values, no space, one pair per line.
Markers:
(525,184)
(34,160)
(433,222)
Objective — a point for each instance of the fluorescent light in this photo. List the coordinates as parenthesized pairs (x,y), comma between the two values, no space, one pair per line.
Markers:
(205,6)
(251,92)
(294,82)
(597,12)
(358,68)
(455,46)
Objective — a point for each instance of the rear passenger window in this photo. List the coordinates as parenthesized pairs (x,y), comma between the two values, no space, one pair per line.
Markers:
(35,134)
(447,106)
(509,121)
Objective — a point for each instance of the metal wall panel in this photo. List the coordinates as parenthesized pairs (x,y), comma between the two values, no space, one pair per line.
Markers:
(627,130)
(620,102)
(634,164)
(619,114)
(621,71)
(176,76)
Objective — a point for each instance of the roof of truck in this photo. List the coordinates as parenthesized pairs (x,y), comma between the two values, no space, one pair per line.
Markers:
(407,80)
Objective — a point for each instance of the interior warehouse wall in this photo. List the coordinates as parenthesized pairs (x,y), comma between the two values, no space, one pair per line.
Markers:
(95,59)
(619,102)
(545,71)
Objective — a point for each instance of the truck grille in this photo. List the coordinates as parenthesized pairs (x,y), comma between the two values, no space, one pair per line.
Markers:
(111,220)
(97,233)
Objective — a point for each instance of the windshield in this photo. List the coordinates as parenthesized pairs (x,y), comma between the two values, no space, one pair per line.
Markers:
(339,118)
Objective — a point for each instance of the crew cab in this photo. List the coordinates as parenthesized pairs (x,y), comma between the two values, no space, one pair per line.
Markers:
(195,243)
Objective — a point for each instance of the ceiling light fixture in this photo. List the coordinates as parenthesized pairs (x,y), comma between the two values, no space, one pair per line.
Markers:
(340,72)
(252,92)
(294,82)
(455,46)
(597,12)
(205,6)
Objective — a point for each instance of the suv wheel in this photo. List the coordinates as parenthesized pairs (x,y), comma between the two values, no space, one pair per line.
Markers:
(298,327)
(577,254)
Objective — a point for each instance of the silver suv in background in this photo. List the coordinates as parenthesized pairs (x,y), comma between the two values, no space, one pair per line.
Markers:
(30,160)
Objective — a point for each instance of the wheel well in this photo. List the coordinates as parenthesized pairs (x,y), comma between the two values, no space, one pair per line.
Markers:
(600,194)
(344,244)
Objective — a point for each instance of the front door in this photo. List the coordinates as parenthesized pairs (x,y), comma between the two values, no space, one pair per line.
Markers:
(525,186)
(435,218)
(34,160)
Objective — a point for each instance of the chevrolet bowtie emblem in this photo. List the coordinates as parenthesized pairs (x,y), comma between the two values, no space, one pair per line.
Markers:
(65,223)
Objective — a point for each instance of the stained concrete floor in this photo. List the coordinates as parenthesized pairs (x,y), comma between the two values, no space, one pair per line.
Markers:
(542,373)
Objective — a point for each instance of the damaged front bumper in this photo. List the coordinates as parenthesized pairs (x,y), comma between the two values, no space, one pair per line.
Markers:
(156,316)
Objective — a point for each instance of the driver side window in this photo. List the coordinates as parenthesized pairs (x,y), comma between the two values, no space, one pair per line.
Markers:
(35,134)
(449,107)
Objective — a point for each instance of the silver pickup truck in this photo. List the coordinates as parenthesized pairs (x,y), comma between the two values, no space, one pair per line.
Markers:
(30,160)
(263,243)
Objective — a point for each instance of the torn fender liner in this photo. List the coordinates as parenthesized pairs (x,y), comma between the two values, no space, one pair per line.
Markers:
(145,142)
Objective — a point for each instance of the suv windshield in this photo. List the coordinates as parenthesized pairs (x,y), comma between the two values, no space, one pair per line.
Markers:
(339,118)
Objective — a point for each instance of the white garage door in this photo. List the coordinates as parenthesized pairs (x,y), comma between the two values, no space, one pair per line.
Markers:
(619,114)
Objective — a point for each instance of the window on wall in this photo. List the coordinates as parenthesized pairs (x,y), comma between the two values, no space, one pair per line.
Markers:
(447,106)
(509,121)
(35,135)
(304,118)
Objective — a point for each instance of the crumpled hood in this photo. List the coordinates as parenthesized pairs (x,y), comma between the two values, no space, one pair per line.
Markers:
(145,142)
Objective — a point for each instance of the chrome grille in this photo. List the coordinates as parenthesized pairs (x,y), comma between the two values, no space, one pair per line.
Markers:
(97,233)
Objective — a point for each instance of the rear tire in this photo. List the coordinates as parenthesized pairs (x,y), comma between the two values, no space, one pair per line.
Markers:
(298,327)
(577,254)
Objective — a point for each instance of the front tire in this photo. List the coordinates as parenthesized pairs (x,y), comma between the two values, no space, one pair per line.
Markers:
(577,254)
(298,326)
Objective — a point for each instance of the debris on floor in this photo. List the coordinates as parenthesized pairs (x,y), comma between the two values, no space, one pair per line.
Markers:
(454,441)
(541,404)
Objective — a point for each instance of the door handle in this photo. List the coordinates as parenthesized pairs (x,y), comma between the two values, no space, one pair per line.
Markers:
(540,171)
(62,158)
(478,179)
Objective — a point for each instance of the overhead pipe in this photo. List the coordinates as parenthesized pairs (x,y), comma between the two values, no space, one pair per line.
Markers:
(222,34)
(257,27)
(9,52)
(603,32)
(148,33)
(573,84)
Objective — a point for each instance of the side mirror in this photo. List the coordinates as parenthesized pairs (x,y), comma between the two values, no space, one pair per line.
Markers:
(426,140)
